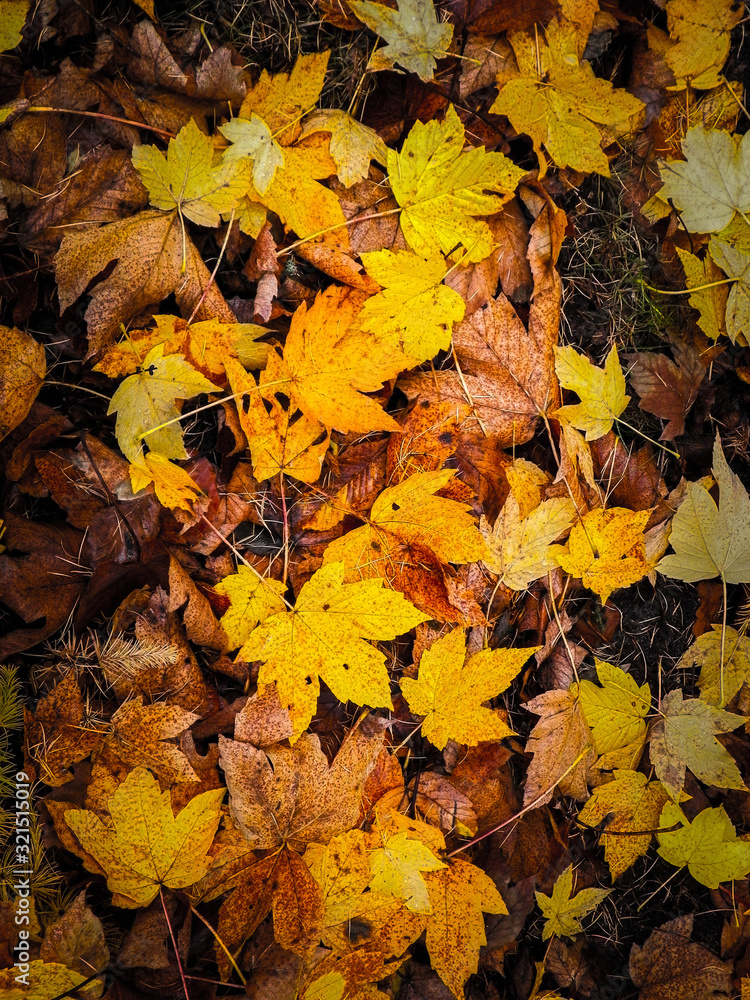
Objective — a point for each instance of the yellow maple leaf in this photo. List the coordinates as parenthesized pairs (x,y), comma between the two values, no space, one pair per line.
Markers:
(352,144)
(415,310)
(606,550)
(252,600)
(708,846)
(186,178)
(409,514)
(735,263)
(281,99)
(144,845)
(710,302)
(519,549)
(252,139)
(324,636)
(719,680)
(563,911)
(22,371)
(562,746)
(441,188)
(558,102)
(396,870)
(601,390)
(328,364)
(700,33)
(459,894)
(205,345)
(630,805)
(615,713)
(146,400)
(280,440)
(44,980)
(173,486)
(415,36)
(450,694)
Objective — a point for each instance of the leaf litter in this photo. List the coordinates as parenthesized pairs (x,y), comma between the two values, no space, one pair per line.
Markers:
(363,647)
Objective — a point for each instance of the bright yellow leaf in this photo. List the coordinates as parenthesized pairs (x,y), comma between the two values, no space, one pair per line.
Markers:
(708,846)
(630,805)
(253,140)
(415,311)
(711,303)
(144,845)
(450,694)
(146,400)
(173,486)
(558,102)
(441,188)
(397,869)
(615,713)
(601,390)
(252,600)
(324,636)
(606,550)
(700,32)
(352,144)
(520,548)
(415,36)
(281,99)
(44,980)
(186,178)
(563,911)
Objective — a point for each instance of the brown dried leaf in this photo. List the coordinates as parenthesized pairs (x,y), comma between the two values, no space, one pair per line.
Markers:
(671,965)
(76,939)
(441,804)
(22,371)
(54,738)
(667,390)
(559,739)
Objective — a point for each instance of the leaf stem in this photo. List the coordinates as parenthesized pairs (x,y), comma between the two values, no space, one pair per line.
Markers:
(723,641)
(221,945)
(656,444)
(174,943)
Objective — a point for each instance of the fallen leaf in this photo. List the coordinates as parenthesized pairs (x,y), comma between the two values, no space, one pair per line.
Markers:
(186,180)
(735,263)
(616,712)
(520,547)
(557,741)
(77,940)
(684,737)
(602,391)
(708,847)
(669,964)
(22,371)
(606,550)
(563,911)
(396,870)
(174,488)
(706,653)
(415,310)
(415,37)
(630,805)
(352,145)
(46,980)
(711,301)
(710,540)
(252,139)
(324,636)
(291,795)
(281,99)
(144,846)
(441,189)
(558,101)
(252,599)
(667,390)
(13,15)
(55,736)
(699,31)
(145,401)
(139,733)
(438,802)
(449,692)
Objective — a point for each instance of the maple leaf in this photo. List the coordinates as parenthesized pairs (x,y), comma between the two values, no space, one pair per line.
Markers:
(280,441)
(711,302)
(710,540)
(352,144)
(415,310)
(22,371)
(139,733)
(712,183)
(450,694)
(43,980)
(186,179)
(735,263)
(324,636)
(629,805)
(557,741)
(396,870)
(729,675)
(563,911)
(700,33)
(606,550)
(291,795)
(683,737)
(558,102)
(253,139)
(146,400)
(405,515)
(415,37)
(252,599)
(322,369)
(708,846)
(459,894)
(154,258)
(144,845)
(602,391)
(667,390)
(173,486)
(280,99)
(204,345)
(440,189)
(616,712)
(520,547)
(671,965)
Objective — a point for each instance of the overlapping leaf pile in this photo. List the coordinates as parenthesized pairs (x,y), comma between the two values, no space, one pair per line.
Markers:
(321,539)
